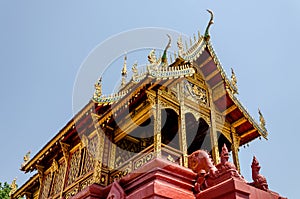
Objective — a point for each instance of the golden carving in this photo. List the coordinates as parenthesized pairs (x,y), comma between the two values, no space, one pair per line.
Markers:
(157,129)
(40,170)
(13,187)
(170,158)
(262,121)
(235,148)
(65,149)
(122,172)
(196,92)
(124,72)
(26,158)
(72,192)
(58,177)
(98,88)
(152,57)
(46,185)
(54,166)
(90,153)
(74,167)
(84,141)
(234,82)
(143,160)
(86,183)
(112,156)
(99,153)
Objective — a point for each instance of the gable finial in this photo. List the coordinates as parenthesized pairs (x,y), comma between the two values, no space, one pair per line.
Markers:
(164,58)
(124,69)
(13,187)
(211,21)
(98,88)
(262,121)
(26,158)
(234,82)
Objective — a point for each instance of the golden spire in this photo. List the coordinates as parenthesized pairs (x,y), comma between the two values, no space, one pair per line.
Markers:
(124,72)
(124,69)
(234,82)
(262,121)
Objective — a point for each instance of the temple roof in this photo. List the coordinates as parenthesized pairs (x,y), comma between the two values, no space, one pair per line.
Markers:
(200,53)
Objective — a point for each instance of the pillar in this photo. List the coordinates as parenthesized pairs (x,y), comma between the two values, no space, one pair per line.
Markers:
(235,148)
(157,127)
(182,125)
(213,131)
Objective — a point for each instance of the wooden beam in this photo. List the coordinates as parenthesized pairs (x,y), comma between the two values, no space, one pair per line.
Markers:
(239,122)
(229,110)
(211,75)
(205,62)
(218,92)
(248,133)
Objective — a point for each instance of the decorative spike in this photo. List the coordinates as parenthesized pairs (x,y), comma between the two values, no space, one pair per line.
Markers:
(195,39)
(164,58)
(152,57)
(262,121)
(199,35)
(211,21)
(171,59)
(134,68)
(191,42)
(124,69)
(13,187)
(234,82)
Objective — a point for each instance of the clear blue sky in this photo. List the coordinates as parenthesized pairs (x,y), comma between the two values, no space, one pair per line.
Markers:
(44,44)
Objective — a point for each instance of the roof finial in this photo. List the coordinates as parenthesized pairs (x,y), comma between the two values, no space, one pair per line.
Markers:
(164,58)
(234,82)
(124,69)
(98,88)
(134,68)
(262,121)
(211,21)
(152,57)
(26,158)
(13,187)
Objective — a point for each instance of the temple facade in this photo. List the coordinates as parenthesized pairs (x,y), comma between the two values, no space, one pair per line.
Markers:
(166,133)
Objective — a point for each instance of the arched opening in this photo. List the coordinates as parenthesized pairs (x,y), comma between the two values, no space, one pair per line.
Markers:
(197,134)
(223,140)
(169,131)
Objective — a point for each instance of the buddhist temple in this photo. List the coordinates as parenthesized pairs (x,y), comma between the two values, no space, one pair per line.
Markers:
(166,133)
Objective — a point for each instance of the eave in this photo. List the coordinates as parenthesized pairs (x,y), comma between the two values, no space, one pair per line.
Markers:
(27,187)
(225,98)
(60,136)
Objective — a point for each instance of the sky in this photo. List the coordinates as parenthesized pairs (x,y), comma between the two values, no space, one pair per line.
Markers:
(44,44)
